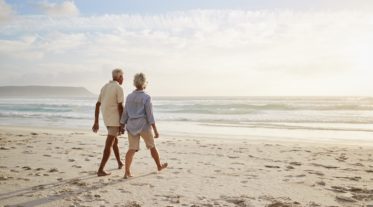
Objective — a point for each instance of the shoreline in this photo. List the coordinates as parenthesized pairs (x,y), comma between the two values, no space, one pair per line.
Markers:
(207,136)
(57,167)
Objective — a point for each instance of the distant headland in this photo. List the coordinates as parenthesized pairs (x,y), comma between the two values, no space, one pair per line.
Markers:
(44,91)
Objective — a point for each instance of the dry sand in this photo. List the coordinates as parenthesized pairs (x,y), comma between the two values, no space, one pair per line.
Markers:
(57,167)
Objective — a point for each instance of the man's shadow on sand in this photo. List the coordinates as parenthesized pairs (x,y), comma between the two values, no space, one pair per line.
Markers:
(52,198)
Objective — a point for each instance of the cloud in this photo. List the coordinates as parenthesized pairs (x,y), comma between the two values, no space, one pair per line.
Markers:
(210,51)
(6,12)
(66,8)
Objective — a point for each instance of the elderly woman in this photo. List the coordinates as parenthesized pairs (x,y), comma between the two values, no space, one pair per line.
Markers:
(138,119)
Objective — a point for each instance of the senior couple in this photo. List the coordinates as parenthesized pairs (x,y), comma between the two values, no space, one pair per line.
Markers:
(136,117)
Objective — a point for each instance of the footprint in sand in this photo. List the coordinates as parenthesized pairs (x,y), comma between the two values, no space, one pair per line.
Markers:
(78,182)
(37,174)
(26,168)
(358,164)
(356,178)
(290,167)
(237,163)
(283,204)
(140,184)
(314,172)
(338,189)
(345,199)
(124,191)
(132,204)
(53,170)
(271,166)
(3,178)
(295,163)
(324,166)
(238,201)
(28,152)
(342,157)
(350,169)
(322,183)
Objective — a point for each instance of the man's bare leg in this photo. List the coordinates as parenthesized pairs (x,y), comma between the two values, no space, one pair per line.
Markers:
(129,157)
(106,155)
(157,160)
(116,153)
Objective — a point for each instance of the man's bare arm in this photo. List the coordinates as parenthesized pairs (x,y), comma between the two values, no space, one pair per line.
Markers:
(97,112)
(120,109)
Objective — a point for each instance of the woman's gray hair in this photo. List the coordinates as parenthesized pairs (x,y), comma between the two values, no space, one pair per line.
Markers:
(116,73)
(140,80)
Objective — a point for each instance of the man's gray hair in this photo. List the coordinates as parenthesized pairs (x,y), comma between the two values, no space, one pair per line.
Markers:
(117,72)
(140,80)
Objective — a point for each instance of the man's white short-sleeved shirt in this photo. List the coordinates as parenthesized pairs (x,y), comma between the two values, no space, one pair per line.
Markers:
(110,96)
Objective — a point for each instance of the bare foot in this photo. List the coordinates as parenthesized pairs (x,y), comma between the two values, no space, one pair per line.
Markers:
(163,166)
(127,175)
(120,166)
(103,173)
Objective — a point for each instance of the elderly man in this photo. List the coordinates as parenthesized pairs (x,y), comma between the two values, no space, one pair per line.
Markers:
(111,102)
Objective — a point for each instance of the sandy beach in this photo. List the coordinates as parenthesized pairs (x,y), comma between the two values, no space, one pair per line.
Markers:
(57,167)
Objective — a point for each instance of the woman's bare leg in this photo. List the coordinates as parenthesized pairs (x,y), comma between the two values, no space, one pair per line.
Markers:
(157,160)
(129,157)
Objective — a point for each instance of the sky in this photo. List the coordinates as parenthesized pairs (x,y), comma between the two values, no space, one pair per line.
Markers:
(192,47)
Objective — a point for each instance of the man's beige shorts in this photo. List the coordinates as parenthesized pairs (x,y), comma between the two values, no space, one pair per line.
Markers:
(113,131)
(134,140)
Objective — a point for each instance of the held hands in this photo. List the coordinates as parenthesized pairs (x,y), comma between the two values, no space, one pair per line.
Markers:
(121,129)
(95,127)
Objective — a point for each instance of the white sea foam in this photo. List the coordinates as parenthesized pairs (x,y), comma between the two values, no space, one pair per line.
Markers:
(290,113)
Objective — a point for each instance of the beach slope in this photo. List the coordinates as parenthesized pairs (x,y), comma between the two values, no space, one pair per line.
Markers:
(57,167)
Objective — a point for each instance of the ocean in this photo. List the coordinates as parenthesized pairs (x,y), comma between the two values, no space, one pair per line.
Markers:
(232,117)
